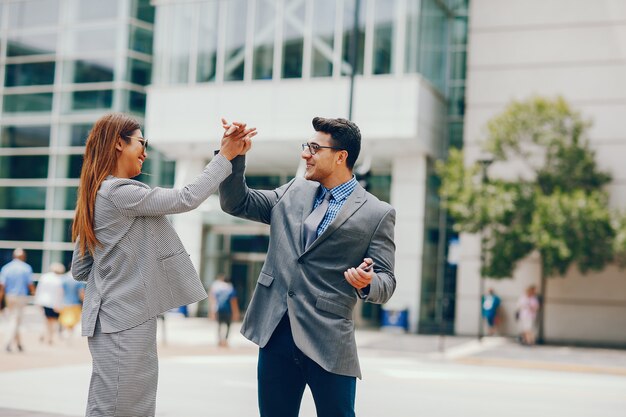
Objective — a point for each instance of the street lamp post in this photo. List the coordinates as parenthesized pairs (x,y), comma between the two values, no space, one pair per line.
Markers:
(484,162)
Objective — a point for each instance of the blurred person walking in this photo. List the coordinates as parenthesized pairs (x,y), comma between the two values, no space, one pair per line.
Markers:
(73,295)
(490,305)
(224,307)
(16,278)
(49,295)
(133,261)
(527,308)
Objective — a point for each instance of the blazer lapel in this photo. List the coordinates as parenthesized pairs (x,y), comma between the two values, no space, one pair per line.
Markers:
(307,207)
(354,202)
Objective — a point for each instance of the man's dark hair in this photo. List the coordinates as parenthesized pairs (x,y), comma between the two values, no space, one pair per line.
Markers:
(344,134)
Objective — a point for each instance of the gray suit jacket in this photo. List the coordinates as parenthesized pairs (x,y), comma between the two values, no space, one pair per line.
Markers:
(141,268)
(310,284)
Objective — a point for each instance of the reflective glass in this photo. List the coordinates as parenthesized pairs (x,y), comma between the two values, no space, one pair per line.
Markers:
(88,71)
(92,40)
(68,166)
(33,257)
(264,24)
(95,9)
(143,10)
(139,72)
(293,39)
(207,42)
(73,135)
(33,13)
(21,229)
(65,198)
(140,40)
(25,136)
(22,198)
(456,105)
(180,42)
(88,100)
(458,63)
(18,103)
(455,132)
(136,102)
(37,73)
(383,36)
(412,36)
(348,30)
(432,51)
(323,38)
(24,45)
(235,39)
(458,33)
(24,166)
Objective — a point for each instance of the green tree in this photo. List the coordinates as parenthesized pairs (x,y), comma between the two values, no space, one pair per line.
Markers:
(550,198)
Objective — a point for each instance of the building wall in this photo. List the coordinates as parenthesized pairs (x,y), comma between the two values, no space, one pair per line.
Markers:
(572,48)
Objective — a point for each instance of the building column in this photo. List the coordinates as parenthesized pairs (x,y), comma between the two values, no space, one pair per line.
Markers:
(189,225)
(408,193)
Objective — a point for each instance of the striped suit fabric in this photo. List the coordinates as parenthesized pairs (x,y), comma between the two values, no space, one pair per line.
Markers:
(139,270)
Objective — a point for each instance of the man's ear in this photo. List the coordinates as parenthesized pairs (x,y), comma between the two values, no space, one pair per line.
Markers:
(343,156)
(119,145)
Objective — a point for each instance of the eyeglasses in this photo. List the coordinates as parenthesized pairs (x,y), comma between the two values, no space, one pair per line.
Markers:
(314,147)
(143,141)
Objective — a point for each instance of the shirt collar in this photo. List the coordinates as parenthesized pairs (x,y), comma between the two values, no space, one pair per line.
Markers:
(340,192)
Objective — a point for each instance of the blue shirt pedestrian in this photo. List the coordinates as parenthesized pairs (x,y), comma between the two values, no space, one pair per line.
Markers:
(16,277)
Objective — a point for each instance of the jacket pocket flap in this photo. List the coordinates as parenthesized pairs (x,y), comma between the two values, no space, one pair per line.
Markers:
(333,307)
(265,280)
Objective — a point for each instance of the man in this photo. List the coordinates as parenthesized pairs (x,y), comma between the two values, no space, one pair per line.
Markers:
(16,278)
(326,232)
(491,302)
(224,307)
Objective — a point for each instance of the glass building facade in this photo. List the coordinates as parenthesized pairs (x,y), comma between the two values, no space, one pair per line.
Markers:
(63,63)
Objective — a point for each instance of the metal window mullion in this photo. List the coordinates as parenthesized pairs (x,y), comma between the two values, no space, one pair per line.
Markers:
(248,63)
(308,40)
(119,72)
(368,47)
(399,38)
(278,41)
(338,39)
(221,41)
(192,75)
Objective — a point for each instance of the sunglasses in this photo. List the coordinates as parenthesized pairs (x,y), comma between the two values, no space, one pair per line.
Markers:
(143,141)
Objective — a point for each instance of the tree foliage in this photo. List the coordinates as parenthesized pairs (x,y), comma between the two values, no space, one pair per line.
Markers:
(556,205)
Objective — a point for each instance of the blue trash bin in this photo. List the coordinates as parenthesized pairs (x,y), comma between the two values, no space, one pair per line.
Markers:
(396,319)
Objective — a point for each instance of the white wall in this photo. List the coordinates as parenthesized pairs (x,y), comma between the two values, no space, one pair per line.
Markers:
(572,48)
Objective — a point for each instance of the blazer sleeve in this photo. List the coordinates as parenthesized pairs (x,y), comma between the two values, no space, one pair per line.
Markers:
(240,201)
(135,200)
(382,250)
(81,265)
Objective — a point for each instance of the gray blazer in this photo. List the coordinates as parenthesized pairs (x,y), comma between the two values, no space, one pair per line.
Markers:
(310,284)
(141,268)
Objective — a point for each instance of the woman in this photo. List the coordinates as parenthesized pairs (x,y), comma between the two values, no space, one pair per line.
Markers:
(133,261)
(527,308)
(49,295)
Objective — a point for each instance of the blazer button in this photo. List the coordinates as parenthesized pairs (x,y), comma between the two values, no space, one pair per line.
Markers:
(291,293)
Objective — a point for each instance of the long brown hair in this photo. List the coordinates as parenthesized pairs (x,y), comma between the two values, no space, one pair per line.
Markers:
(99,161)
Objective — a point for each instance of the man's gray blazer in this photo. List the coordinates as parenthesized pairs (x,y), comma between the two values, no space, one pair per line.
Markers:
(141,269)
(310,284)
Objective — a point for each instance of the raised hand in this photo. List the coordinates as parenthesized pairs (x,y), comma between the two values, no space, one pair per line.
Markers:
(237,139)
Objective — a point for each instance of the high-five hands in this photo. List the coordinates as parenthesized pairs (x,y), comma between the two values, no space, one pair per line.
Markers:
(361,276)
(236,139)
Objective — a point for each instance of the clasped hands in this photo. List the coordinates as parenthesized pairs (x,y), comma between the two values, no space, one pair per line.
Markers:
(237,139)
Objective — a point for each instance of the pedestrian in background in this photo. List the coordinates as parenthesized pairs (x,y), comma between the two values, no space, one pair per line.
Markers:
(49,295)
(527,308)
(224,307)
(133,261)
(73,295)
(491,303)
(16,278)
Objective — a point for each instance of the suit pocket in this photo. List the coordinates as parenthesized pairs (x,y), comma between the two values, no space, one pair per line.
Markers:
(331,306)
(265,280)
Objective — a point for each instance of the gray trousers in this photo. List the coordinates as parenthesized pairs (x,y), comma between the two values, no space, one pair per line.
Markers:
(125,372)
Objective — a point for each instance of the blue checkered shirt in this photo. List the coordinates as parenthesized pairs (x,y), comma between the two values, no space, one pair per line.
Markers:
(339,196)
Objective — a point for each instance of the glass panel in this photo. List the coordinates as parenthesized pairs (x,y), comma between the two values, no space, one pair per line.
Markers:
(18,103)
(25,136)
(142,10)
(348,30)
(73,135)
(33,13)
(21,229)
(92,40)
(383,36)
(23,45)
(24,166)
(264,24)
(136,102)
(323,38)
(65,256)
(65,198)
(263,182)
(39,73)
(180,42)
(207,42)
(457,101)
(88,100)
(458,33)
(69,166)
(139,72)
(235,39)
(33,257)
(96,9)
(432,55)
(455,130)
(23,198)
(412,36)
(88,71)
(249,243)
(457,65)
(293,39)
(140,40)
(157,171)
